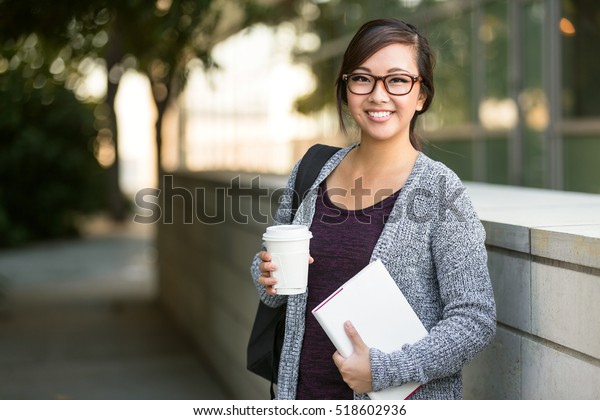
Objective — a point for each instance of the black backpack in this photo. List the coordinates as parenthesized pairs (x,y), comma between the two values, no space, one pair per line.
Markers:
(266,338)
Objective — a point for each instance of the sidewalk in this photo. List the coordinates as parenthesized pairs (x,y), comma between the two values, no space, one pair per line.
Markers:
(79,320)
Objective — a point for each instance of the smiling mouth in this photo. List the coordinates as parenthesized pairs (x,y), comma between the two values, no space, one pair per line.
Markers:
(380,114)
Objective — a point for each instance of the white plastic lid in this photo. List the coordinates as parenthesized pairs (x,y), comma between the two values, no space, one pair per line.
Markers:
(287,233)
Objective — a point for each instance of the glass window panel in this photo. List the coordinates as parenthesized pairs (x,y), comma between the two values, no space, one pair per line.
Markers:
(451,39)
(580,29)
(582,172)
(497,160)
(497,111)
(456,154)
(493,33)
(532,98)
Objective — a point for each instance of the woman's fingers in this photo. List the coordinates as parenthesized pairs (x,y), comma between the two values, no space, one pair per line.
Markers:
(266,268)
(264,255)
(269,283)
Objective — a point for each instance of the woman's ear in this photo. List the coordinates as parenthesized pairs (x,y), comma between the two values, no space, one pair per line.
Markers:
(421,101)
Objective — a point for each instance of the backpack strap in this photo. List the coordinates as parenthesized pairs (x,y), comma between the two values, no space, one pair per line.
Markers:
(310,166)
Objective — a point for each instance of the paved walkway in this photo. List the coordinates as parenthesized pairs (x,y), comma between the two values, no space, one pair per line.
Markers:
(79,320)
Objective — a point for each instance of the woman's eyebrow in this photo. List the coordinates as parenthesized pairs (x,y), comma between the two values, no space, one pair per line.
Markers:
(397,70)
(390,71)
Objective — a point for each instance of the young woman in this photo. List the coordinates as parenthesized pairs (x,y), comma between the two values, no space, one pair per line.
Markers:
(382,198)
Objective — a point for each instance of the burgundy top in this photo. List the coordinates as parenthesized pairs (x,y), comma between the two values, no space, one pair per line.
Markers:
(342,244)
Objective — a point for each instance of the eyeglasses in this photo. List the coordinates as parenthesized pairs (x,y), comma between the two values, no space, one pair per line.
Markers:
(395,84)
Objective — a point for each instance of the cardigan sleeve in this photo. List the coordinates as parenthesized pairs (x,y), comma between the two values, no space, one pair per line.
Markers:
(282,216)
(468,318)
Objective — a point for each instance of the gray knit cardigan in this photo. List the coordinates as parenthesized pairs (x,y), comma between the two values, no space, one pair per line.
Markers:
(433,246)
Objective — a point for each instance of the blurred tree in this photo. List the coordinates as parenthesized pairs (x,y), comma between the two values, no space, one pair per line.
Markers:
(157,38)
(160,38)
(48,171)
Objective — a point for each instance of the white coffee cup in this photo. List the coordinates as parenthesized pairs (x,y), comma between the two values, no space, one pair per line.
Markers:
(289,249)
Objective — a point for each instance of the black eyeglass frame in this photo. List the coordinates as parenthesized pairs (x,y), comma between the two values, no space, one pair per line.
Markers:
(414,78)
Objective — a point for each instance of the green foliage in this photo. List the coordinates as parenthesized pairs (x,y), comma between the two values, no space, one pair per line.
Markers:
(48,170)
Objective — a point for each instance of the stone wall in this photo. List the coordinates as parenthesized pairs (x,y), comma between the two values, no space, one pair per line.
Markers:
(205,276)
(544,260)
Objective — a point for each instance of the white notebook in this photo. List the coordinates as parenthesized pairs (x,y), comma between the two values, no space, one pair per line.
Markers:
(374,304)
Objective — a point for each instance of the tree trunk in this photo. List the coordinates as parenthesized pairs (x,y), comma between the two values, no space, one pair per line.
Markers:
(161,102)
(159,123)
(115,200)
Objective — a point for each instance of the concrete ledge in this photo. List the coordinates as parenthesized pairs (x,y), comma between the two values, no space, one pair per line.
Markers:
(579,244)
(520,219)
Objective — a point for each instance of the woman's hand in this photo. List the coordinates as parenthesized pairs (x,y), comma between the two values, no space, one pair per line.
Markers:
(356,368)
(266,268)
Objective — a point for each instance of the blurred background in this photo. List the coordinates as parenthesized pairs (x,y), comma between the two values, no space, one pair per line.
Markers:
(103,98)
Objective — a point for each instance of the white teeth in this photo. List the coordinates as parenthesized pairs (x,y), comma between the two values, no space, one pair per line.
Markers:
(381,114)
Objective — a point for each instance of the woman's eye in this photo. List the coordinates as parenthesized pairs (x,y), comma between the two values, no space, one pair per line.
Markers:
(360,79)
(399,80)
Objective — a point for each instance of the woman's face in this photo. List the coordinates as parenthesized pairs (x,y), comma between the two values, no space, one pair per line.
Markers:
(380,115)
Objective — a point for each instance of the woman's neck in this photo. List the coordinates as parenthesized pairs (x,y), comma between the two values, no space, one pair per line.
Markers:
(371,172)
(384,156)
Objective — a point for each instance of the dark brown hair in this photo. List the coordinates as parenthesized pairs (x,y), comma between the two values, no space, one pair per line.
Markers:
(375,35)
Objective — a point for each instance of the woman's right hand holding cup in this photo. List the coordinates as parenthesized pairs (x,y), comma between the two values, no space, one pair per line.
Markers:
(266,268)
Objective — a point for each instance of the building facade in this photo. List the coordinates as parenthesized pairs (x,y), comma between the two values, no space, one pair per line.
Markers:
(517,101)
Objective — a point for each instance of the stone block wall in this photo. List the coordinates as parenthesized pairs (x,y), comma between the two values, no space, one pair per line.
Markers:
(544,260)
(205,278)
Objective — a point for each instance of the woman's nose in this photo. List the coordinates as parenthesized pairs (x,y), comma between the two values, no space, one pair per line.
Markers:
(379,93)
